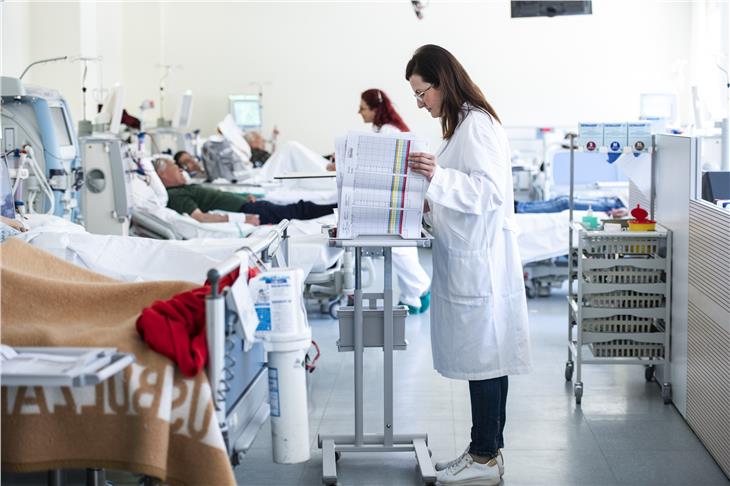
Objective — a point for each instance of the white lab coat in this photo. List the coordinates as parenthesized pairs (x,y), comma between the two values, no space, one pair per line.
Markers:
(413,280)
(479,327)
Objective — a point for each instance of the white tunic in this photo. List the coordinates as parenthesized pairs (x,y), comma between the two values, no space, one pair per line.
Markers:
(479,327)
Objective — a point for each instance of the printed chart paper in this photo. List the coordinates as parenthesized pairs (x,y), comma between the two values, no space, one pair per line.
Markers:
(378,193)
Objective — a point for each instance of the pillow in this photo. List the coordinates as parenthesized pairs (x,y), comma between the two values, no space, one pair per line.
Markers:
(148,191)
(233,134)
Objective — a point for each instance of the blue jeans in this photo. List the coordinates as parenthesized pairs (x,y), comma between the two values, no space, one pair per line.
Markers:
(488,415)
(270,213)
(561,203)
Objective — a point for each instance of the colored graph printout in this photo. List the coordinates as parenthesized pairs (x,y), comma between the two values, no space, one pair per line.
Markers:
(379,194)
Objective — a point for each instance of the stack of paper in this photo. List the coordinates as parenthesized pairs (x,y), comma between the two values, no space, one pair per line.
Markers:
(378,194)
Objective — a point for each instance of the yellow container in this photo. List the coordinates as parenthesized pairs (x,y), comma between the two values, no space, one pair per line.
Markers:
(642,226)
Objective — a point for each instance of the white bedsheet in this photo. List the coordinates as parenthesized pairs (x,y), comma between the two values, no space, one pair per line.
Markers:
(309,248)
(130,258)
(544,235)
(143,259)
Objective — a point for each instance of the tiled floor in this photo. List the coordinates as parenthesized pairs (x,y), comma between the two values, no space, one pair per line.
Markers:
(622,434)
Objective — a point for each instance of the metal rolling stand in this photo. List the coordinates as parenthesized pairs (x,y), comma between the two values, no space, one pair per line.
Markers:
(333,445)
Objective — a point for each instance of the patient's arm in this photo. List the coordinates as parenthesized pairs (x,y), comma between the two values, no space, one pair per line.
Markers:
(15,224)
(200,216)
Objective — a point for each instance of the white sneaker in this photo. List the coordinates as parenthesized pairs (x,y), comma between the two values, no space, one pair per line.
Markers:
(467,472)
(441,465)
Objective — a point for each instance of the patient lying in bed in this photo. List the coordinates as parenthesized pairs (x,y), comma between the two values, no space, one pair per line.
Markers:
(198,201)
(611,205)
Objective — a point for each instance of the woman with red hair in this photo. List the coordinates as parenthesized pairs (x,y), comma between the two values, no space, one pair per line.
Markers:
(376,108)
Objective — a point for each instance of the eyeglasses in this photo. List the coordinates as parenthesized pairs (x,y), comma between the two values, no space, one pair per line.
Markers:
(419,96)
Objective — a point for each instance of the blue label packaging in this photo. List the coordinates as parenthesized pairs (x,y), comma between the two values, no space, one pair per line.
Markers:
(639,139)
(590,136)
(615,136)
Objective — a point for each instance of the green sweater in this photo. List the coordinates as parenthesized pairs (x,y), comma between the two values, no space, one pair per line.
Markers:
(186,199)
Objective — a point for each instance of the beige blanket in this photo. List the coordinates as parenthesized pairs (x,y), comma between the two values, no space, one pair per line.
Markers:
(149,419)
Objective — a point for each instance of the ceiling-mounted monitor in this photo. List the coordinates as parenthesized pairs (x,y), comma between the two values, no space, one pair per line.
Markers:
(550,9)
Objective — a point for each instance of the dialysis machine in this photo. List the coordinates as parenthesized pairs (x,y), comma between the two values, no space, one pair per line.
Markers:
(171,137)
(108,165)
(39,142)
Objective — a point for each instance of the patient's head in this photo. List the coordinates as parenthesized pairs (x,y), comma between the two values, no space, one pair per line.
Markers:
(255,140)
(189,163)
(170,174)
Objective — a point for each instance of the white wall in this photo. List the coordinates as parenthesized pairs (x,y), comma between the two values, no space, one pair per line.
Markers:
(313,59)
(14,38)
(318,57)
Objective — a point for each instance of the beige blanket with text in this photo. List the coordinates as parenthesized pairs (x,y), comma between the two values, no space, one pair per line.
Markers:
(149,419)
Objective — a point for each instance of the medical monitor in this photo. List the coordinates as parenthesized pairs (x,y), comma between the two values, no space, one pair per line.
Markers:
(184,111)
(111,112)
(590,168)
(61,126)
(550,9)
(715,186)
(246,111)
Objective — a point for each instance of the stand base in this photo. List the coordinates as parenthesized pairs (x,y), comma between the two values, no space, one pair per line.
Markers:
(333,445)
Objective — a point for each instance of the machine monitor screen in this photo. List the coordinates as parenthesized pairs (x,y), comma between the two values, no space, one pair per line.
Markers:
(715,185)
(7,203)
(544,8)
(58,116)
(246,111)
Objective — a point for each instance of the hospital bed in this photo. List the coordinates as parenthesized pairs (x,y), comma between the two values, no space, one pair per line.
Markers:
(544,237)
(329,272)
(237,378)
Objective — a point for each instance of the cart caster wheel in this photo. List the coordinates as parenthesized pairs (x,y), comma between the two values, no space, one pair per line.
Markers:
(667,393)
(337,456)
(332,311)
(578,390)
(569,367)
(649,372)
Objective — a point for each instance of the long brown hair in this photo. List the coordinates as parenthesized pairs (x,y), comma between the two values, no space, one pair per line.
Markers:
(442,70)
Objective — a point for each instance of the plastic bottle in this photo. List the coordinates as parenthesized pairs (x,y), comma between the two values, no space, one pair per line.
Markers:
(590,222)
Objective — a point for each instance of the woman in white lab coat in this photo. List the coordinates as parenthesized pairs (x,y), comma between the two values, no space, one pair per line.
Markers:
(413,281)
(479,328)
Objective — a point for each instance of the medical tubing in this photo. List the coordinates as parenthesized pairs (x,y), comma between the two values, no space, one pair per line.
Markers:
(23,159)
(45,186)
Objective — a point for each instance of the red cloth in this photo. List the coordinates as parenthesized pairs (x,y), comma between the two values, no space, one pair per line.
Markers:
(176,327)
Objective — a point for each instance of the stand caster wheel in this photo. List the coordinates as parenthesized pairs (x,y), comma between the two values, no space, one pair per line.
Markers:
(649,372)
(329,483)
(578,390)
(337,456)
(569,367)
(332,311)
(667,393)
(530,292)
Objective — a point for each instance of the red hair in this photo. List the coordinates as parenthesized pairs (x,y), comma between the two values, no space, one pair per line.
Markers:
(385,113)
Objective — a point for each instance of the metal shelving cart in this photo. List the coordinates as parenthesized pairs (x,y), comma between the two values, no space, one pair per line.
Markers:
(382,327)
(619,299)
(620,311)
